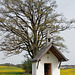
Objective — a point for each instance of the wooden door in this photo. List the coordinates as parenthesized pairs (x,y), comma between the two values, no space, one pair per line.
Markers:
(47,69)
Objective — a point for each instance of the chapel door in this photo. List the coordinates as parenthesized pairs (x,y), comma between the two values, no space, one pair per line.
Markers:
(47,69)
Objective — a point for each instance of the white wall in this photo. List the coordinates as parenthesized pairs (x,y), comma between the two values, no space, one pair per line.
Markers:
(34,68)
(47,58)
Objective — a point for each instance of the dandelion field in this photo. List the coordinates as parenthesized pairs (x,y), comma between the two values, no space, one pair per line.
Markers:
(9,70)
(67,72)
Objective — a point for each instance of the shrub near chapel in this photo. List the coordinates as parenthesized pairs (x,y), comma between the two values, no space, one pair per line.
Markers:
(27,66)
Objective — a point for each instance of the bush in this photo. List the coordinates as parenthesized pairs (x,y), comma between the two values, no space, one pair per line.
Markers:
(27,66)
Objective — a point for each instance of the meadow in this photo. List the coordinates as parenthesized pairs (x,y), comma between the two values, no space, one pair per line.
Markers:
(9,70)
(67,72)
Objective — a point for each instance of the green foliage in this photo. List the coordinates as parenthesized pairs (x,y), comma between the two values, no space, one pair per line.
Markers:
(27,66)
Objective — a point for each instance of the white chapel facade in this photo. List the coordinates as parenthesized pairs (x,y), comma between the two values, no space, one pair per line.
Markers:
(48,60)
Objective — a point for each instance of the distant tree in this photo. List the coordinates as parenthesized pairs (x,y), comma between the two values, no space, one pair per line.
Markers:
(8,64)
(23,22)
(19,65)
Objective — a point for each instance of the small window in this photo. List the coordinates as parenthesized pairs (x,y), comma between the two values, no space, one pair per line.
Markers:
(48,39)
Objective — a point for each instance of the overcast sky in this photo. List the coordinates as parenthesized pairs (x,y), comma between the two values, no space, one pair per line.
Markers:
(67,7)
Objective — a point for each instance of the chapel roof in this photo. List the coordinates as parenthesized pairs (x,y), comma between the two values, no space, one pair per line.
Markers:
(53,49)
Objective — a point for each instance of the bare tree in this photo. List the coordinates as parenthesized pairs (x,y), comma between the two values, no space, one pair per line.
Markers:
(24,21)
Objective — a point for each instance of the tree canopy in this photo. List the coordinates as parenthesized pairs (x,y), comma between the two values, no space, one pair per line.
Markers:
(23,23)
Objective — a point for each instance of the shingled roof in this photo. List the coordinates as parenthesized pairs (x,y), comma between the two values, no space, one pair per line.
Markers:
(53,49)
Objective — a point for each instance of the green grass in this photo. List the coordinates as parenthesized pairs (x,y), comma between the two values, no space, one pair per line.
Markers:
(11,73)
(64,72)
(27,74)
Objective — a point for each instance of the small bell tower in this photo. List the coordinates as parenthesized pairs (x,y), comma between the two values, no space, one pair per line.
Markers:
(48,38)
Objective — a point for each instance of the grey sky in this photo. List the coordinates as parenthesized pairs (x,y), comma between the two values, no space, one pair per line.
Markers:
(67,7)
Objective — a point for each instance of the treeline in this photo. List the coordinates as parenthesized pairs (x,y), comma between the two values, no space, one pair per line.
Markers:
(9,64)
(26,65)
(67,66)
